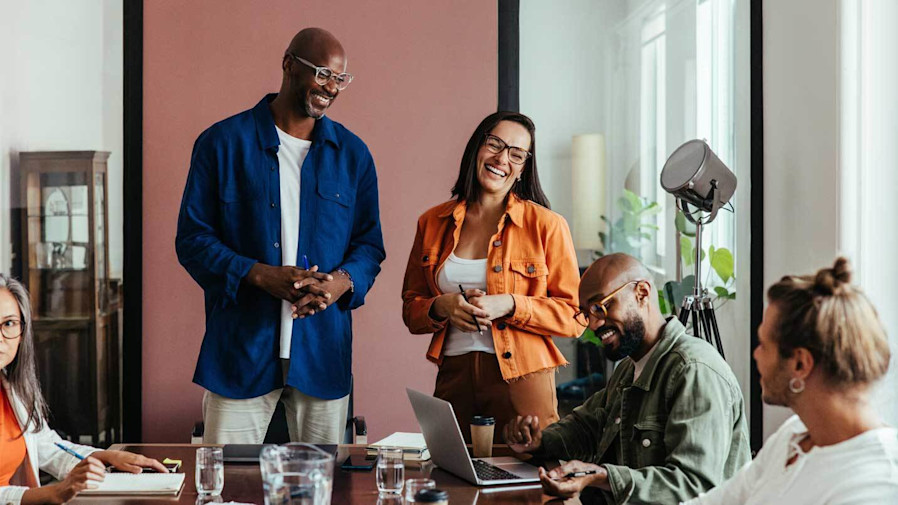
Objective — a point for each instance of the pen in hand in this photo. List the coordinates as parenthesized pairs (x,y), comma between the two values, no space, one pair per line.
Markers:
(66,449)
(463,295)
(305,262)
(572,475)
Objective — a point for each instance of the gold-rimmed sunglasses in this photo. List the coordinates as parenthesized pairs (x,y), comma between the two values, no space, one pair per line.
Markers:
(599,309)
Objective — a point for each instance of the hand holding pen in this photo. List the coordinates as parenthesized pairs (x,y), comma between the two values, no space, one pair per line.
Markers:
(459,312)
(570,479)
(476,323)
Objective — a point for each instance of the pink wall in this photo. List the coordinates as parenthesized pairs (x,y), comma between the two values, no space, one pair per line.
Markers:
(425,75)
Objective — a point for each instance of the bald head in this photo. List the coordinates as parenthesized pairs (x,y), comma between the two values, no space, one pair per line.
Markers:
(317,45)
(610,272)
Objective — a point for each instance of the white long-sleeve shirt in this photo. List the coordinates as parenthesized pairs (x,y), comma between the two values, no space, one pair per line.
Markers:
(860,470)
(40,450)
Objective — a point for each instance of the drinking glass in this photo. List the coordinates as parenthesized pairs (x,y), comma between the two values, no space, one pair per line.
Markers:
(390,470)
(412,486)
(296,474)
(209,471)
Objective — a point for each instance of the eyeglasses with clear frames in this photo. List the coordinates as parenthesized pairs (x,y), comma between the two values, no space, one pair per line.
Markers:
(599,309)
(324,74)
(11,329)
(496,145)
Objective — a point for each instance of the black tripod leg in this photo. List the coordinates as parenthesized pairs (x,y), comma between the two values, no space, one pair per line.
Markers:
(700,314)
(684,314)
(712,319)
(695,324)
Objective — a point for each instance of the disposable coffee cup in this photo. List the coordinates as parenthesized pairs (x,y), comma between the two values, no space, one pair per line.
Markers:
(482,428)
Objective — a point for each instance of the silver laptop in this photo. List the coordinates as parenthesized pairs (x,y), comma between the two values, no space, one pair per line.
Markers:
(448,450)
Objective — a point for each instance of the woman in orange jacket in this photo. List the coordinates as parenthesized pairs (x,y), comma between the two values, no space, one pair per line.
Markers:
(492,275)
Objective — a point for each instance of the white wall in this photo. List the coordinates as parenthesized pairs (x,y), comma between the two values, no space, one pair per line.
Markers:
(801,143)
(61,90)
(869,209)
(566,43)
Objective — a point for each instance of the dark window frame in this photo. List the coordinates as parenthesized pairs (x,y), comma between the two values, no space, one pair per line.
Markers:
(132,282)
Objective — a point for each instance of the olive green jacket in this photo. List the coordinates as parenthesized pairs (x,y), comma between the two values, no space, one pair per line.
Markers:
(677,431)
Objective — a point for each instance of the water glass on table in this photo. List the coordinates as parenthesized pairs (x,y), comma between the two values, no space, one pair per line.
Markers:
(390,470)
(209,470)
(412,486)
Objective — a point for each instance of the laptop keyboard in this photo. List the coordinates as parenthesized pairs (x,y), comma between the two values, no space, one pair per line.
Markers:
(486,471)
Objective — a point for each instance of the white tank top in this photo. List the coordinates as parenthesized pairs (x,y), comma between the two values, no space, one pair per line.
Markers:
(471,274)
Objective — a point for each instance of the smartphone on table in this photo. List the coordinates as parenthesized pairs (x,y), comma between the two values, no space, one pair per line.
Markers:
(359,462)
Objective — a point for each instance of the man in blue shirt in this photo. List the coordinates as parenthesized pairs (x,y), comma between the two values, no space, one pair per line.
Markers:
(277,196)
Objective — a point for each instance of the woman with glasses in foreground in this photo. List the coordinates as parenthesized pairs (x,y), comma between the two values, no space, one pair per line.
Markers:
(27,444)
(821,347)
(492,275)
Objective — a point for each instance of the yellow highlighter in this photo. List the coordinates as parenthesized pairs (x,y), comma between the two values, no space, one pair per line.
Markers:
(173,465)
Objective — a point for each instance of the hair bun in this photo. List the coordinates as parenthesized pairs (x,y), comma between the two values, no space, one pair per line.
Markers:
(829,280)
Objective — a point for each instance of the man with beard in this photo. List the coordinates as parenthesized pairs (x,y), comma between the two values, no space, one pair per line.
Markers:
(670,423)
(277,196)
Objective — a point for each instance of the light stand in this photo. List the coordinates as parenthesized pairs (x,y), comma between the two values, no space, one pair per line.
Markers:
(695,175)
(699,304)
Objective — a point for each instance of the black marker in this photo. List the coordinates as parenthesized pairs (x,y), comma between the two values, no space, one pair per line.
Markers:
(463,295)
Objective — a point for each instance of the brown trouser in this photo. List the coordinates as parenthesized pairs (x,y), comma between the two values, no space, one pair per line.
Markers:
(473,384)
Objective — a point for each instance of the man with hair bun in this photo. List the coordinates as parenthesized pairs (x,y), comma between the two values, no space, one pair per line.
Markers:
(821,346)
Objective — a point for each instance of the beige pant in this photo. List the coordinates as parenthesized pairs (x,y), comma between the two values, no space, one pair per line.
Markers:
(309,419)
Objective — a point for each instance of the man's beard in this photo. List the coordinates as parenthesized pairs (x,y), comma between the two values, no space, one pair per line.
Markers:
(779,396)
(313,112)
(630,341)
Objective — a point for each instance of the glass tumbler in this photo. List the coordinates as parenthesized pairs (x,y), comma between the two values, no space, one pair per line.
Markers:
(412,486)
(390,470)
(209,471)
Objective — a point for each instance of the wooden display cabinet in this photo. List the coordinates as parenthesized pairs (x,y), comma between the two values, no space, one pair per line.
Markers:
(76,307)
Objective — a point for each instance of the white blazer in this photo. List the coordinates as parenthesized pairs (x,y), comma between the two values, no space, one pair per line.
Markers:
(41,452)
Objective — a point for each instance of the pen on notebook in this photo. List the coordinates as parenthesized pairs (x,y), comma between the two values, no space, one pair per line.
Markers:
(463,295)
(305,261)
(66,449)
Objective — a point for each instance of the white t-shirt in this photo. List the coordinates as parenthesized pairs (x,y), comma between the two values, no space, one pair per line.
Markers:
(860,470)
(639,366)
(471,274)
(291,154)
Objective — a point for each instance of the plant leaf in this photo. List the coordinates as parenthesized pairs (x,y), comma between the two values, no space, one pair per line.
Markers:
(590,337)
(721,292)
(683,226)
(722,263)
(686,251)
(652,209)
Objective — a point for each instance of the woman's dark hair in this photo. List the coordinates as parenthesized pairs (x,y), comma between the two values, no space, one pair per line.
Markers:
(528,188)
(22,372)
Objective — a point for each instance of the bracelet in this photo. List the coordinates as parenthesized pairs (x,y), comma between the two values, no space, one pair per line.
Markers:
(351,284)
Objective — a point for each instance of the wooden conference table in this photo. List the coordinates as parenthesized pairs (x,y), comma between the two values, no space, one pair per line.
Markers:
(243,482)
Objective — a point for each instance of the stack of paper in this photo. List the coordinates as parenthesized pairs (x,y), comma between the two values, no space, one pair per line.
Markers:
(412,444)
(138,484)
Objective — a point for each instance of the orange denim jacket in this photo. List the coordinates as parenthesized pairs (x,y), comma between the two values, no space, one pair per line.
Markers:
(531,257)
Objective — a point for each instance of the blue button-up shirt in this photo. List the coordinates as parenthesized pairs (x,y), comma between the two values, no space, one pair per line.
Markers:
(231,218)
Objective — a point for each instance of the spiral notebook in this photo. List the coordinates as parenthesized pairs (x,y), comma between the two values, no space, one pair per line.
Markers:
(138,484)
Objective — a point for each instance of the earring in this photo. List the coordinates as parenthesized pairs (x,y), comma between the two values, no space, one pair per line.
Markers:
(796,385)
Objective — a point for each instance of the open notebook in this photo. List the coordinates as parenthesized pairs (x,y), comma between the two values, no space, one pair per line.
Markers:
(139,484)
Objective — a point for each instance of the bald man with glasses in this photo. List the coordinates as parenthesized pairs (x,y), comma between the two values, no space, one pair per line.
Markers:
(670,423)
(280,226)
